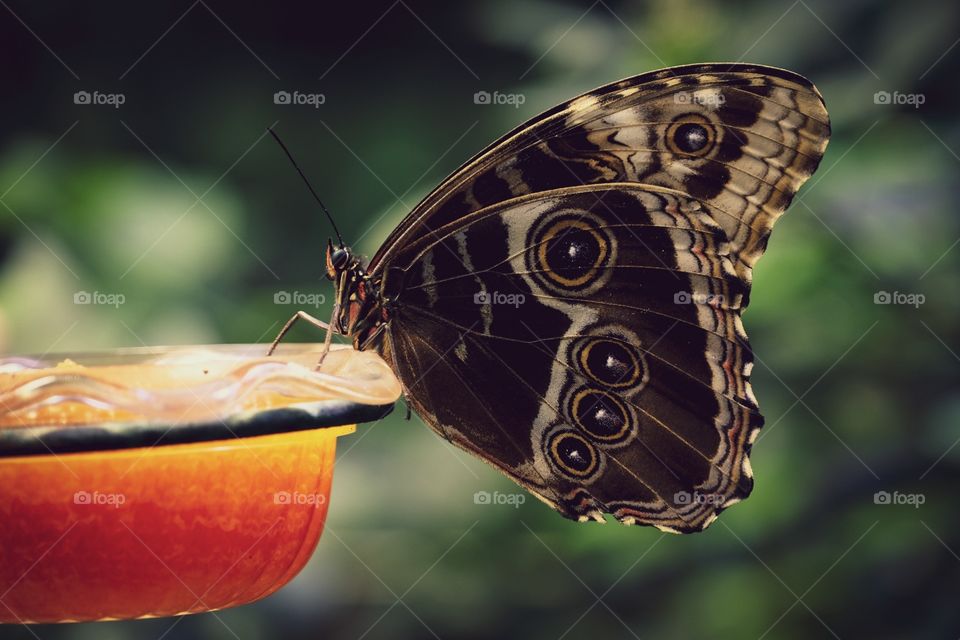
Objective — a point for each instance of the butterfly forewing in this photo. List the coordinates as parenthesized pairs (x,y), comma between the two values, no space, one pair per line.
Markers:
(742,137)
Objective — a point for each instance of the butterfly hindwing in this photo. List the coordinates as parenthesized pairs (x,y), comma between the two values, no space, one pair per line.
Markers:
(596,326)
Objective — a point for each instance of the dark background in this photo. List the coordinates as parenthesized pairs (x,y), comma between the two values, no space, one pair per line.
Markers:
(859,397)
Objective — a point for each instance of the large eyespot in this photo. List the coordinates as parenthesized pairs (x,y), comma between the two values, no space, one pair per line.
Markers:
(602,415)
(571,454)
(569,252)
(691,135)
(610,362)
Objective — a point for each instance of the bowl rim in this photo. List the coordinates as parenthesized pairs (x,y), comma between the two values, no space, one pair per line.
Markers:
(111,436)
(33,441)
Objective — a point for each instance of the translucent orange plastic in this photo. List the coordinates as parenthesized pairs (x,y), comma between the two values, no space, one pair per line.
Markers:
(158,532)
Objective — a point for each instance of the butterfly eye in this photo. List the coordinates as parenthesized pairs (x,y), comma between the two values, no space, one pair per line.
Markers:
(339,259)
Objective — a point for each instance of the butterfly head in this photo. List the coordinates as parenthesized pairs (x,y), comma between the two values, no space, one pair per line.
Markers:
(339,259)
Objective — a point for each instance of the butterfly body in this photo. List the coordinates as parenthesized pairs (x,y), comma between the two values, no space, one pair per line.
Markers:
(567,304)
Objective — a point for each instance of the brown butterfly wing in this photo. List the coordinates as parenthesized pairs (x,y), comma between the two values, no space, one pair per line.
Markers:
(673,180)
(596,323)
(767,127)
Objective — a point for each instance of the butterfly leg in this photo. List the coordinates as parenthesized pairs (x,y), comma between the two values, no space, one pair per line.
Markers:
(299,315)
(329,337)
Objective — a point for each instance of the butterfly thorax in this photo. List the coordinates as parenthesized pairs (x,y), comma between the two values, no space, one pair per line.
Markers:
(360,314)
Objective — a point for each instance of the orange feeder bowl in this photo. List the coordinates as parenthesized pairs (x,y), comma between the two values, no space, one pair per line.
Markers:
(144,483)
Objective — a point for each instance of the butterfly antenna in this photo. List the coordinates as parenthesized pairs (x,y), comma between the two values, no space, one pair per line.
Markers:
(307,182)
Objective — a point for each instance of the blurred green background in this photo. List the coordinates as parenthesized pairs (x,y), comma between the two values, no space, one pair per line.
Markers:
(175,200)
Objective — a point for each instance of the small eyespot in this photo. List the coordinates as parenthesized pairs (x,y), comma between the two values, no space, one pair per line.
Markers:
(602,415)
(610,362)
(691,136)
(573,454)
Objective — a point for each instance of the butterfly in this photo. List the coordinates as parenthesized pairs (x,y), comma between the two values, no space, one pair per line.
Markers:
(566,305)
